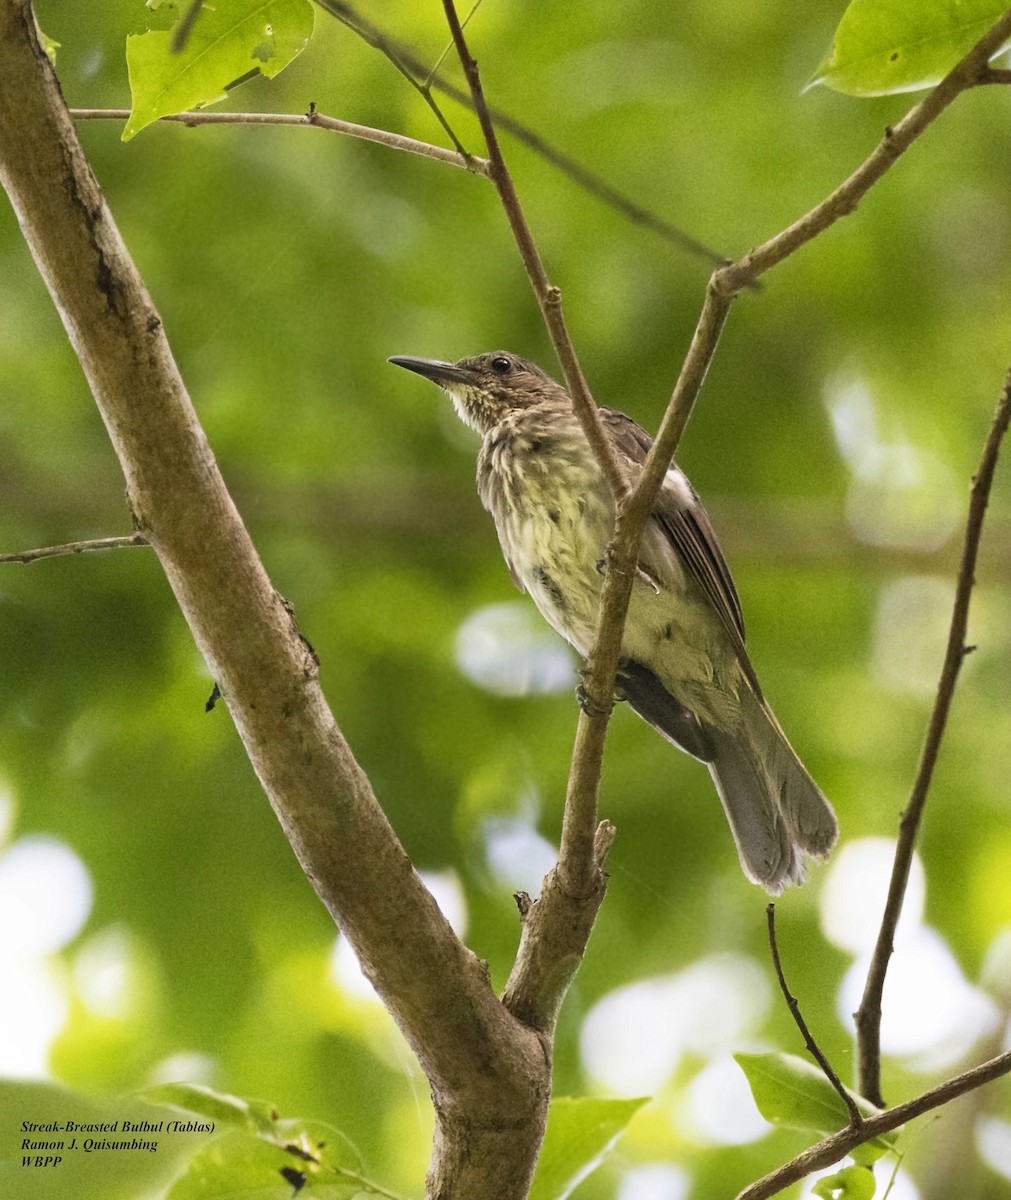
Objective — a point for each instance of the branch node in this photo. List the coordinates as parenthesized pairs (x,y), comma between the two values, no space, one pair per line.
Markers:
(590,704)
(602,842)
(523,903)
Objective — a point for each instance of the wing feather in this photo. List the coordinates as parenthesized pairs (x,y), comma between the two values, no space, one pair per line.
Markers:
(683,521)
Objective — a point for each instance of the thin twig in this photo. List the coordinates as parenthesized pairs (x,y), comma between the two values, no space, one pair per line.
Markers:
(382,137)
(548,297)
(970,71)
(411,66)
(577,863)
(868,1017)
(793,1005)
(837,1145)
(434,70)
(374,37)
(109,543)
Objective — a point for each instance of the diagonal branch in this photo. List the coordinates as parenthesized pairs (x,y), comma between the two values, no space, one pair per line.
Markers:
(856,1119)
(577,862)
(488,1072)
(549,298)
(831,1149)
(411,66)
(868,1016)
(374,36)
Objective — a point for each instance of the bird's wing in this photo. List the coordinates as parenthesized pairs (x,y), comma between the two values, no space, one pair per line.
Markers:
(679,515)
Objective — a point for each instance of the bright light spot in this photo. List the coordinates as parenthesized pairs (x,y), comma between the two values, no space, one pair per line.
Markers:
(104,974)
(718,1001)
(7,811)
(930,1008)
(347,972)
(995,975)
(187,1066)
(911,630)
(854,891)
(507,649)
(899,494)
(345,969)
(49,888)
(628,1041)
(633,1038)
(993,1139)
(33,1009)
(518,856)
(445,886)
(654,1181)
(718,1106)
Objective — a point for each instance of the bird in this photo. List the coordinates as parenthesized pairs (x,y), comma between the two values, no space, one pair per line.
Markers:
(683,667)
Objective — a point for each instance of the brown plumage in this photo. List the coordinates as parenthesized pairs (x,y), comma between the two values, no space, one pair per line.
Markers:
(684,665)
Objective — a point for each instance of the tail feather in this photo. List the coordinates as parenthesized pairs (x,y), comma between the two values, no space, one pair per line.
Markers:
(777,813)
(808,814)
(769,852)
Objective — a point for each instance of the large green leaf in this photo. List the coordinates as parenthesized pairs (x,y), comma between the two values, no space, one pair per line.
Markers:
(104,1174)
(229,42)
(903,45)
(791,1091)
(255,1116)
(580,1133)
(254,1167)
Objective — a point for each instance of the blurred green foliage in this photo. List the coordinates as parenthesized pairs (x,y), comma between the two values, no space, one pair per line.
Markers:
(287,265)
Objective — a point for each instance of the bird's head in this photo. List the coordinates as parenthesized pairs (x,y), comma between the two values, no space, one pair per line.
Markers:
(488,386)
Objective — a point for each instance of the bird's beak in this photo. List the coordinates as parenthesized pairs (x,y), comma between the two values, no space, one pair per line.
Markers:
(442,373)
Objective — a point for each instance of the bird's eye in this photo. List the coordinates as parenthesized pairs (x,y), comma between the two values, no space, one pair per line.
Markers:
(501,366)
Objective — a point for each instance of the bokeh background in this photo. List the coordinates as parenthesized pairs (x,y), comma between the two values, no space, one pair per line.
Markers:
(154,922)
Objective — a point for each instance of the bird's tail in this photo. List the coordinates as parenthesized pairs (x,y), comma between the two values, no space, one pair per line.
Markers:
(776,811)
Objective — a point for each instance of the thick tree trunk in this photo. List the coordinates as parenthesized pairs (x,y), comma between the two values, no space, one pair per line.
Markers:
(490,1073)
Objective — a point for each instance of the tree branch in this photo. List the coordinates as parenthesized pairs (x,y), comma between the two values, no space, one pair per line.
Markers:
(414,69)
(577,872)
(831,1149)
(556,928)
(108,543)
(489,1074)
(868,1016)
(856,1119)
(724,284)
(374,37)
(549,298)
(311,119)
(970,71)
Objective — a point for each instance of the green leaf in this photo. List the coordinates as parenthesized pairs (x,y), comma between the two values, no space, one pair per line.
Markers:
(256,1116)
(851,1183)
(50,45)
(243,1165)
(580,1133)
(112,1175)
(229,41)
(903,45)
(793,1092)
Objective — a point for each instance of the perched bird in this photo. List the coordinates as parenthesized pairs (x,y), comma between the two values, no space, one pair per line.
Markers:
(684,668)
